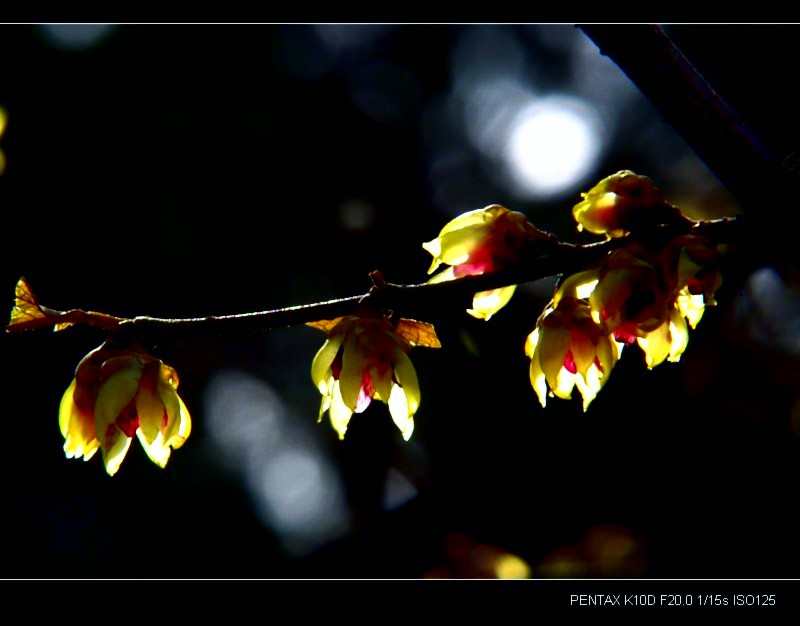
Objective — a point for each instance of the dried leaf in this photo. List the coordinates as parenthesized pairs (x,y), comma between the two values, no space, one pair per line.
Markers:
(325,325)
(26,306)
(418,333)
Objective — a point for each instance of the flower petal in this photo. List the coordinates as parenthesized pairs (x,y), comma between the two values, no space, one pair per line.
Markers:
(77,428)
(565,382)
(321,365)
(401,411)
(406,376)
(656,345)
(551,352)
(184,428)
(445,275)
(579,285)
(157,450)
(538,381)
(354,362)
(115,447)
(678,335)
(487,303)
(115,394)
(149,406)
(340,413)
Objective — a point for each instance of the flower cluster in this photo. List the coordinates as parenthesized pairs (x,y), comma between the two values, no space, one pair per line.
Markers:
(636,294)
(482,241)
(118,394)
(365,358)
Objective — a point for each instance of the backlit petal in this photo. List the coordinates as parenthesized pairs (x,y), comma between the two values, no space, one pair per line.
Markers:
(149,407)
(407,377)
(115,447)
(538,381)
(340,413)
(158,451)
(354,363)
(679,335)
(401,411)
(551,352)
(114,395)
(487,303)
(321,365)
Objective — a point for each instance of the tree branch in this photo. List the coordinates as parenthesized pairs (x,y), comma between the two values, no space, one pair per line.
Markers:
(760,180)
(420,300)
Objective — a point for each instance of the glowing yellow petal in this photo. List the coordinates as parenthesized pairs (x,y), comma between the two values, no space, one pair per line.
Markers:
(487,303)
(76,428)
(383,384)
(588,385)
(354,363)
(456,246)
(340,413)
(407,377)
(326,397)
(580,285)
(114,395)
(115,450)
(551,353)
(435,248)
(473,218)
(184,428)
(679,335)
(157,450)
(691,307)
(656,345)
(321,365)
(583,351)
(565,382)
(530,342)
(607,352)
(150,410)
(66,408)
(172,404)
(3,121)
(401,411)
(538,381)
(445,275)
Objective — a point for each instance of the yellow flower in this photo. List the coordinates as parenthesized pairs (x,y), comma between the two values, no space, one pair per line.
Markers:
(631,297)
(365,358)
(618,202)
(568,348)
(696,275)
(117,394)
(482,241)
(668,341)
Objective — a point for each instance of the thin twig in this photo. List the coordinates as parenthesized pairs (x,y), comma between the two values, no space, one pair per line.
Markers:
(419,300)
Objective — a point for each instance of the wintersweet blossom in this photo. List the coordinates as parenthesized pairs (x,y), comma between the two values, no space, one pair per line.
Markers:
(479,242)
(619,202)
(569,349)
(118,394)
(366,358)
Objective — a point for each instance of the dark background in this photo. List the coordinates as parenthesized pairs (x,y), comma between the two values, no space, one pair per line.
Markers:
(190,170)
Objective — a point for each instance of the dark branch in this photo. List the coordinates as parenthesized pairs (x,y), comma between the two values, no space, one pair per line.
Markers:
(422,300)
(760,180)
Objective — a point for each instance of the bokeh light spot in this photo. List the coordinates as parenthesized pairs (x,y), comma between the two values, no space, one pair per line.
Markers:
(75,36)
(552,145)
